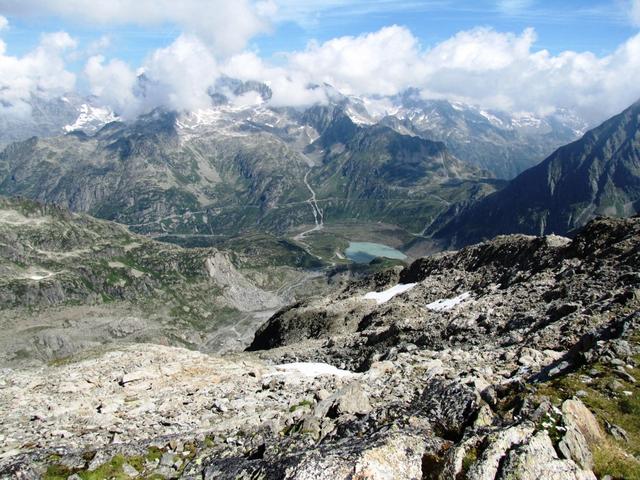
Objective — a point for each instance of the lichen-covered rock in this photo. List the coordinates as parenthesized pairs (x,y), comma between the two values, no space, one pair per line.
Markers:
(349,400)
(399,457)
(537,459)
(499,444)
(577,415)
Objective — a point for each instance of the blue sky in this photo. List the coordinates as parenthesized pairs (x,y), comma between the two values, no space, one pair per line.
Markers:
(516,55)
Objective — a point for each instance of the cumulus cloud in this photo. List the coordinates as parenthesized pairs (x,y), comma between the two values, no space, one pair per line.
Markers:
(379,63)
(4,23)
(224,25)
(41,72)
(180,75)
(290,88)
(505,71)
(176,77)
(376,63)
(479,66)
(113,82)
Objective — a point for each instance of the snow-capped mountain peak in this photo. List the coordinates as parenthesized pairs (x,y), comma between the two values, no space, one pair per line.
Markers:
(91,118)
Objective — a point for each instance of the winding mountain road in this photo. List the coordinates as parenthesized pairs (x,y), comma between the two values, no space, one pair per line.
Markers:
(318,214)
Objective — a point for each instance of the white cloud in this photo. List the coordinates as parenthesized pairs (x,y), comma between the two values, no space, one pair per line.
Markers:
(479,66)
(180,75)
(41,72)
(113,82)
(379,63)
(224,25)
(290,88)
(4,23)
(479,50)
(376,63)
(177,77)
(504,71)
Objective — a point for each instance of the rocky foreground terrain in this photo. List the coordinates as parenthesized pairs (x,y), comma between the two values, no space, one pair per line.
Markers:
(514,359)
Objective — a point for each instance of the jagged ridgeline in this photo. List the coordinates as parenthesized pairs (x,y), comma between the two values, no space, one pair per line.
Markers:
(69,282)
(596,175)
(217,174)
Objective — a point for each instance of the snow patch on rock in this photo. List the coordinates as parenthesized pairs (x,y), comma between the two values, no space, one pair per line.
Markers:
(445,304)
(310,370)
(385,296)
(91,119)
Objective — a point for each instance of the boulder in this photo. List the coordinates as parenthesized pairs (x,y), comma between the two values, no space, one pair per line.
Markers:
(349,400)
(576,414)
(537,459)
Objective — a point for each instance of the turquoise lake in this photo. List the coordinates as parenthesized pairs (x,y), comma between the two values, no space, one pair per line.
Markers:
(364,252)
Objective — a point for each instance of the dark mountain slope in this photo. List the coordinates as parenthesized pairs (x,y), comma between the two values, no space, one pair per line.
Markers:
(597,175)
(374,172)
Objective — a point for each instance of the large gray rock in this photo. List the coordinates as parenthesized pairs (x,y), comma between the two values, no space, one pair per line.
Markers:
(499,444)
(577,415)
(399,457)
(349,400)
(537,459)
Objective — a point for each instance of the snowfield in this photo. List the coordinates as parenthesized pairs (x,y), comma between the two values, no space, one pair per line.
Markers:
(448,303)
(310,370)
(384,297)
(91,119)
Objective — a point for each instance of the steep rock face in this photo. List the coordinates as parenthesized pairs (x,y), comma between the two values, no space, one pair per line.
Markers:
(517,358)
(597,175)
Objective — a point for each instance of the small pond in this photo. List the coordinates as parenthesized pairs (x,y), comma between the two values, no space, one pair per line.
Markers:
(364,252)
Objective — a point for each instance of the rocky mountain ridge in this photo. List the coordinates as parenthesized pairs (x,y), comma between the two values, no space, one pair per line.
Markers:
(596,175)
(503,143)
(517,358)
(206,174)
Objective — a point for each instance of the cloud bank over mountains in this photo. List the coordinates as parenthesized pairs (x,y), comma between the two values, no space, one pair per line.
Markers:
(41,71)
(492,69)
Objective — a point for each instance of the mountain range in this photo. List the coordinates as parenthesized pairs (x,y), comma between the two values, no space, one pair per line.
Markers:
(500,142)
(598,175)
(231,169)
(429,167)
